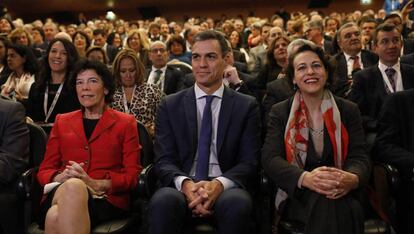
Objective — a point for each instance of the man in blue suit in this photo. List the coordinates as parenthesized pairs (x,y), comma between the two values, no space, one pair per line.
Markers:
(207,146)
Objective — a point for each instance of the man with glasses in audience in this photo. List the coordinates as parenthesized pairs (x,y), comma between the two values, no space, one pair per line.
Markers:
(166,77)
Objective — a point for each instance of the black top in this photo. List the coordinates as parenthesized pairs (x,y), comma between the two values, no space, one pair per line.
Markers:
(89,125)
(67,102)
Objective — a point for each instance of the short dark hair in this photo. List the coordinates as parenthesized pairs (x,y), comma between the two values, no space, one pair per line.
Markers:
(393,15)
(40,30)
(178,39)
(366,19)
(213,35)
(384,28)
(329,67)
(30,65)
(100,69)
(99,31)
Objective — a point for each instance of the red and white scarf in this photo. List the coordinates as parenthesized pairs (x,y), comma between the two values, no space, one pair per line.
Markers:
(297,133)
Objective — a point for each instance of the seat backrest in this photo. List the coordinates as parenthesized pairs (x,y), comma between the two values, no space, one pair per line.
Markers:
(38,141)
(147,151)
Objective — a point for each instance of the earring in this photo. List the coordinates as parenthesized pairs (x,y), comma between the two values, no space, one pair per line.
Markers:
(295,87)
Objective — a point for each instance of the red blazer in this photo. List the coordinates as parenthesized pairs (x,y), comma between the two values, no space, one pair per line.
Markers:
(112,151)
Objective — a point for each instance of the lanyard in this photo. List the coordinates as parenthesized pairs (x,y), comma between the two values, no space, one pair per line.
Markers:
(125,99)
(52,106)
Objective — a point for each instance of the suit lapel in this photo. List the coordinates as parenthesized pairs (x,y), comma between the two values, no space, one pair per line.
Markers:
(190,108)
(224,117)
(379,85)
(407,80)
(106,121)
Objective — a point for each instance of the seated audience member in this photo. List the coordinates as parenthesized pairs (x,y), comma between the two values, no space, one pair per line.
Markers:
(97,54)
(167,78)
(367,24)
(23,64)
(352,58)
(93,154)
(81,42)
(133,95)
(275,65)
(371,85)
(280,89)
(6,26)
(314,150)
(4,68)
(39,43)
(408,59)
(99,39)
(257,56)
(314,32)
(176,49)
(394,145)
(137,43)
(115,39)
(50,94)
(239,52)
(14,157)
(199,182)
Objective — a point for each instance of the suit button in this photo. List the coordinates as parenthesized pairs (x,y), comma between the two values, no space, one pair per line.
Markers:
(86,147)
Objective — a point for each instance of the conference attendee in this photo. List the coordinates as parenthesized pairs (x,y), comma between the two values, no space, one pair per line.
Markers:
(351,59)
(314,32)
(394,145)
(51,94)
(371,85)
(4,69)
(257,55)
(137,43)
(99,39)
(367,25)
(133,95)
(81,42)
(207,144)
(167,78)
(98,54)
(315,152)
(23,64)
(14,158)
(92,154)
(176,49)
(6,26)
(50,29)
(408,59)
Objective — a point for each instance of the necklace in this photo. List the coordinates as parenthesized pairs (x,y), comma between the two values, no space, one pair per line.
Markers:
(316,132)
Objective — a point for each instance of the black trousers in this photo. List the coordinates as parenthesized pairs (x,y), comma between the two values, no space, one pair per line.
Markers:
(11,214)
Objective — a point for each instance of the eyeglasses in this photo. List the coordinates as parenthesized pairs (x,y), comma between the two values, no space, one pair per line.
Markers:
(156,51)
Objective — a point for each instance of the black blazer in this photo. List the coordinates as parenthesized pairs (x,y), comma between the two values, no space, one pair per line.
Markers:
(341,86)
(285,175)
(276,91)
(238,137)
(407,59)
(395,138)
(173,80)
(368,91)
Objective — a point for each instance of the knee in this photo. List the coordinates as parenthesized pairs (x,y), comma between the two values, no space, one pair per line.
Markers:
(74,189)
(167,199)
(236,201)
(52,217)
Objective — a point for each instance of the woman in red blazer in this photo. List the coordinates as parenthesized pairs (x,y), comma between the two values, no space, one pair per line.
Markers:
(92,154)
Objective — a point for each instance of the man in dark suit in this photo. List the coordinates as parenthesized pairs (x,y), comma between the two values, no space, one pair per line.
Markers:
(314,32)
(371,85)
(168,78)
(408,59)
(14,157)
(99,39)
(394,145)
(351,59)
(207,144)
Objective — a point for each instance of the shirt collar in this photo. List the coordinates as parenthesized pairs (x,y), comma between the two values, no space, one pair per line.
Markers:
(348,57)
(199,93)
(382,66)
(162,69)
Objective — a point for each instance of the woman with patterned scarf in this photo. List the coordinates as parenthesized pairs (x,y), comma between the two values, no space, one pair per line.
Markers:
(315,150)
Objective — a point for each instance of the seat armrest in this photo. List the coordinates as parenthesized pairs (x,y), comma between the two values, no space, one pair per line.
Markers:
(147,182)
(393,177)
(25,183)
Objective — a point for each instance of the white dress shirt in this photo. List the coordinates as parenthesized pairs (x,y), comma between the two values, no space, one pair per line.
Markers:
(153,74)
(397,77)
(350,63)
(214,170)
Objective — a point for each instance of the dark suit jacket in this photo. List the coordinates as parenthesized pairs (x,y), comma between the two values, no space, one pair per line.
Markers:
(276,91)
(408,46)
(285,175)
(341,86)
(328,47)
(14,142)
(112,151)
(368,91)
(111,52)
(173,80)
(238,137)
(395,138)
(407,59)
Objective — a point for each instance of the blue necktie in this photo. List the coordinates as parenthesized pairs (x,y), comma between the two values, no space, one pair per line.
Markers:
(204,142)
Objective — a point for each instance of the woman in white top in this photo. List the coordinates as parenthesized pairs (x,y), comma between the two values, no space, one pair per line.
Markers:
(23,64)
